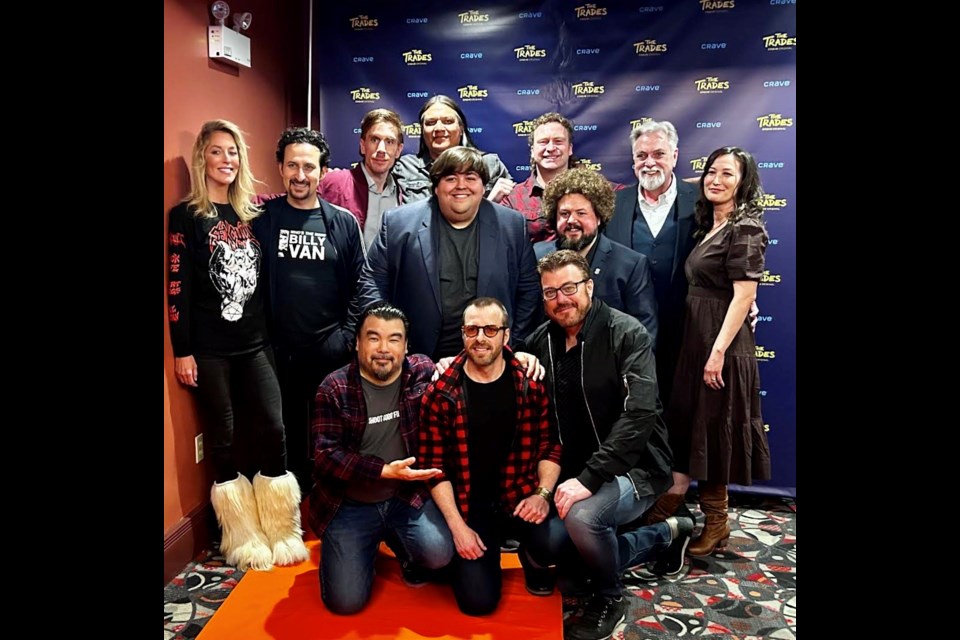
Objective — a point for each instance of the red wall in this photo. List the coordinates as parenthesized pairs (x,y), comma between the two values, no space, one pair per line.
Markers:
(262,100)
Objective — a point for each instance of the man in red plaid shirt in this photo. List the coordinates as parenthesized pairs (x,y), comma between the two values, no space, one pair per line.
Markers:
(490,429)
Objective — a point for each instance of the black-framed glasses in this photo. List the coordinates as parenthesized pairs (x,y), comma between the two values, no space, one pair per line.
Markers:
(490,330)
(568,289)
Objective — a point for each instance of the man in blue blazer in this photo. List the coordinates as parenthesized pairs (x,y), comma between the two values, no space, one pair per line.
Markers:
(578,204)
(655,218)
(432,257)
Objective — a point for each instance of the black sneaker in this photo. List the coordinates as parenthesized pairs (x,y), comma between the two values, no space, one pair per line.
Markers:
(600,617)
(539,580)
(670,561)
(413,575)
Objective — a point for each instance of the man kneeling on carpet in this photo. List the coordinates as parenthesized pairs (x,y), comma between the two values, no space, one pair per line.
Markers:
(490,429)
(365,426)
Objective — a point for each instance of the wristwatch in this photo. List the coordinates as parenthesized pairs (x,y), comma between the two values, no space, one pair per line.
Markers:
(544,493)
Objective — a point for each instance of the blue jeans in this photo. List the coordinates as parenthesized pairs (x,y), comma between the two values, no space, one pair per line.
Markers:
(592,525)
(349,547)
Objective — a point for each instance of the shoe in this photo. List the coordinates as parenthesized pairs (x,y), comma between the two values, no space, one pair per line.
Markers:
(413,575)
(540,581)
(600,617)
(509,546)
(670,561)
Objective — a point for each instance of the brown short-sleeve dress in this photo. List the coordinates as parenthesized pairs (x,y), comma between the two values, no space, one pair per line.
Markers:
(718,436)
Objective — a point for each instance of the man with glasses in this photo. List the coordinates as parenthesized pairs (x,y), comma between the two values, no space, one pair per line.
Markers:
(616,461)
(489,428)
(579,204)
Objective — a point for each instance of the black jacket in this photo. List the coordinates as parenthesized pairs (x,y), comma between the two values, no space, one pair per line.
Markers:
(619,383)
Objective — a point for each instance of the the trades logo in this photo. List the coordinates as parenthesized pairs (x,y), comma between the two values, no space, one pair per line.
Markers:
(639,122)
(770,202)
(764,355)
(589,11)
(698,164)
(779,42)
(770,279)
(774,122)
(411,130)
(709,6)
(363,23)
(649,47)
(473,17)
(711,84)
(416,57)
(523,128)
(587,89)
(364,94)
(530,53)
(587,163)
(472,93)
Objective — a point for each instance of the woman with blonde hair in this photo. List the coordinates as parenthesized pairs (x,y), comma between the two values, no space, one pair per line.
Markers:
(220,348)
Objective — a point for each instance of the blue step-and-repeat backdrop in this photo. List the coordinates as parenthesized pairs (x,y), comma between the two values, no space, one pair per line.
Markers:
(723,71)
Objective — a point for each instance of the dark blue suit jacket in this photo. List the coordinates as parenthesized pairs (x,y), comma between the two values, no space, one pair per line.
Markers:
(621,278)
(672,302)
(403,263)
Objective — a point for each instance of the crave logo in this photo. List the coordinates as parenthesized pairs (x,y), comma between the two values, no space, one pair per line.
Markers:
(649,48)
(774,122)
(771,202)
(412,130)
(770,279)
(587,163)
(472,93)
(709,6)
(416,57)
(530,53)
(763,354)
(698,164)
(364,94)
(779,42)
(589,11)
(473,17)
(523,128)
(711,84)
(363,23)
(587,89)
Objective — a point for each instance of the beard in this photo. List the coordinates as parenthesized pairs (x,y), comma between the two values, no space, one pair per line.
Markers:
(487,358)
(577,245)
(570,319)
(381,369)
(651,182)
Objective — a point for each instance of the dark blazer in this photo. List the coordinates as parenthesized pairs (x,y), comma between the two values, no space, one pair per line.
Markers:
(349,190)
(621,278)
(672,303)
(403,263)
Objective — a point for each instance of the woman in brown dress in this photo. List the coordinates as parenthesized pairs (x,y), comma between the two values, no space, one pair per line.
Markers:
(716,432)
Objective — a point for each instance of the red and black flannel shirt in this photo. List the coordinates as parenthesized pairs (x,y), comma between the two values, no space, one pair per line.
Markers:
(443,435)
(339,420)
(526,198)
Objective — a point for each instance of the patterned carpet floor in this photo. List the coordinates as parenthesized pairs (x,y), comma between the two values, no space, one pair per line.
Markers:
(746,592)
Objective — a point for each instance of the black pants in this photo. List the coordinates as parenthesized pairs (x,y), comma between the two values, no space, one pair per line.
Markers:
(225,384)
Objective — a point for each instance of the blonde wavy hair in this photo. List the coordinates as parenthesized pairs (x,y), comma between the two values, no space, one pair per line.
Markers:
(241,191)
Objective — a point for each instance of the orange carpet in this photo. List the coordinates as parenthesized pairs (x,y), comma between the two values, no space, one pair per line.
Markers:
(284,604)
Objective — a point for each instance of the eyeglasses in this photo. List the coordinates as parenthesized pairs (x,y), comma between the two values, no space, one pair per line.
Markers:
(568,289)
(490,330)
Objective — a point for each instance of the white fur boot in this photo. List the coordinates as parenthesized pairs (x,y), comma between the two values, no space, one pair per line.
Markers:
(278,500)
(243,543)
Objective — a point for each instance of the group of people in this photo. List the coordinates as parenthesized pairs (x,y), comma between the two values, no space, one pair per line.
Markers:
(442,372)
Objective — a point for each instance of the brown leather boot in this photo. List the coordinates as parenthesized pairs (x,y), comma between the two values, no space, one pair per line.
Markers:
(713,503)
(665,506)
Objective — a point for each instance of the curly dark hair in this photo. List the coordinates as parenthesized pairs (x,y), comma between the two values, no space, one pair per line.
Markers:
(302,135)
(747,201)
(590,184)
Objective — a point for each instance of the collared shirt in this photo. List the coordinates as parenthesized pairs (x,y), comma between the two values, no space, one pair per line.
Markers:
(656,214)
(379,203)
(526,198)
(339,421)
(444,436)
